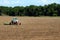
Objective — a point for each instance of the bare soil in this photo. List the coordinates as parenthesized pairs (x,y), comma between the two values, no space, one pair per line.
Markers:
(32,28)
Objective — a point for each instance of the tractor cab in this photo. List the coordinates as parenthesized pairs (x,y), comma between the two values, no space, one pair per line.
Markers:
(14,19)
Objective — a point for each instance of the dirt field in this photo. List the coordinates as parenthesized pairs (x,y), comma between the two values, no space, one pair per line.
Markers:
(32,28)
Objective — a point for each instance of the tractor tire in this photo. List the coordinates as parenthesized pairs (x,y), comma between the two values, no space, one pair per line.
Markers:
(19,23)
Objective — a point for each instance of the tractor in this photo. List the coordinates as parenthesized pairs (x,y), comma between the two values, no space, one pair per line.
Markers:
(14,21)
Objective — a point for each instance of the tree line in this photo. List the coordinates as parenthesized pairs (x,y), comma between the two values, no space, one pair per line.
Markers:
(32,10)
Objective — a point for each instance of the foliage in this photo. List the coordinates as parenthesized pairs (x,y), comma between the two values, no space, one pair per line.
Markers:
(32,10)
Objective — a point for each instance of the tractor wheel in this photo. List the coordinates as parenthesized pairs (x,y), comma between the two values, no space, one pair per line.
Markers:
(19,23)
